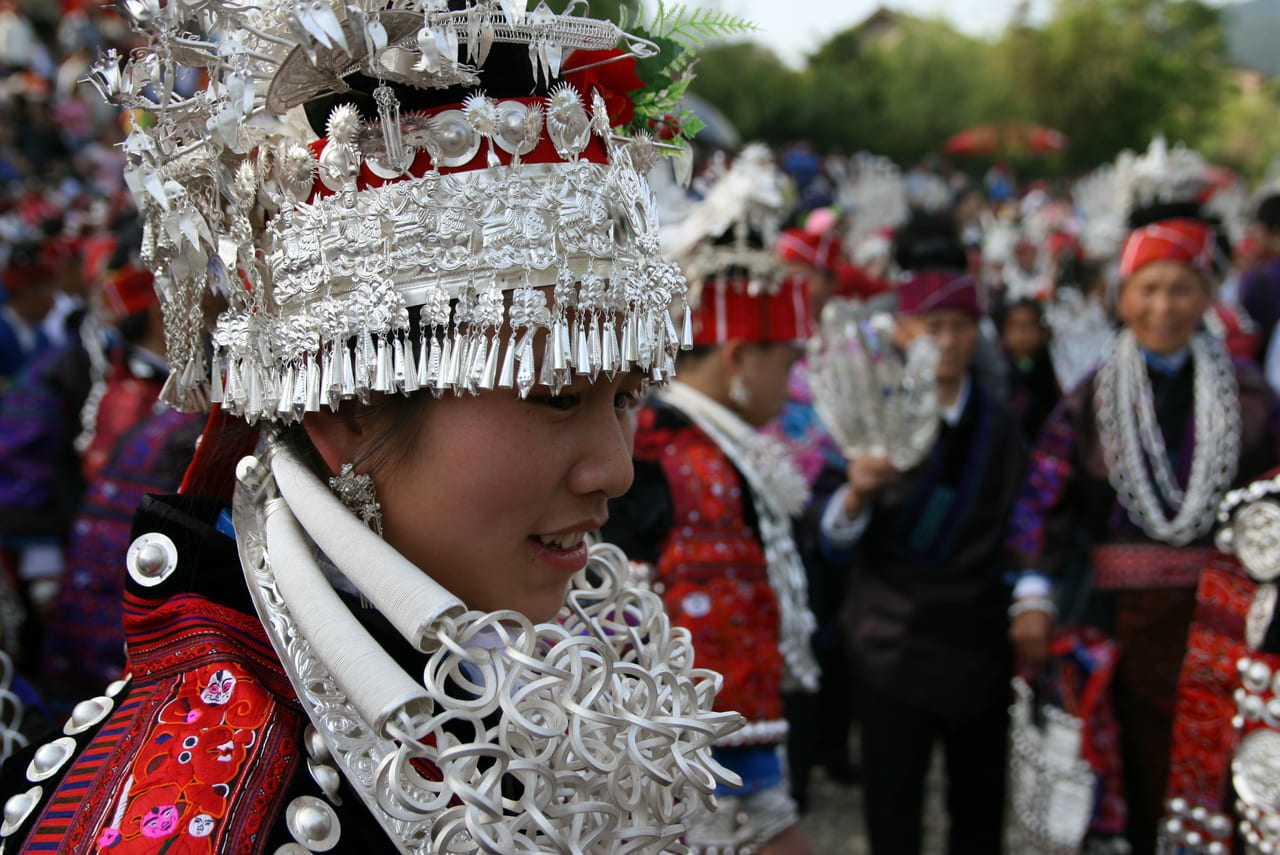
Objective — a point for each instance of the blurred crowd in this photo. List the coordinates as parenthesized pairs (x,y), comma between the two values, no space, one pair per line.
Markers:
(1027,311)
(82,357)
(1043,531)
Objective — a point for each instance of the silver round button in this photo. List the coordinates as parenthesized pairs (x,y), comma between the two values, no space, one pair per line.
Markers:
(152,558)
(313,823)
(88,713)
(49,758)
(18,808)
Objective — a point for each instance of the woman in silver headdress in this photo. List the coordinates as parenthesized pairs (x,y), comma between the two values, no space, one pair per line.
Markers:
(384,626)
(1136,460)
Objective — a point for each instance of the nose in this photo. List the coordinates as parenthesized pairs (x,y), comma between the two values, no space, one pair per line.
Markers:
(605,440)
(1161,303)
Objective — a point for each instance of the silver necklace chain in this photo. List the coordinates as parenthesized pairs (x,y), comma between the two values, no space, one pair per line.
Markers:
(1134,446)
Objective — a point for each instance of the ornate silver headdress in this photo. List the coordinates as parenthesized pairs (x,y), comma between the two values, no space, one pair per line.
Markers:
(875,191)
(1160,175)
(736,223)
(873,399)
(461,211)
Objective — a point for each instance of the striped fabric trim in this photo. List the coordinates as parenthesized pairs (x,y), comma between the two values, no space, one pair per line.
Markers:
(84,783)
(165,638)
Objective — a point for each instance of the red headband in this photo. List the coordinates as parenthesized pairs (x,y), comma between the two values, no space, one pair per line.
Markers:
(926,290)
(728,310)
(1186,241)
(822,251)
(129,290)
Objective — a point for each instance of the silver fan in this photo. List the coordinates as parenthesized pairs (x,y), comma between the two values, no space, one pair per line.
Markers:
(1082,336)
(873,399)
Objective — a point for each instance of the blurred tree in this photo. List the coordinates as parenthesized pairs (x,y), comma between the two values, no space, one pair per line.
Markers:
(752,87)
(915,90)
(1113,73)
(1247,135)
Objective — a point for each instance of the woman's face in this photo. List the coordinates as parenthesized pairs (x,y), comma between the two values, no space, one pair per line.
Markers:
(495,496)
(1023,333)
(954,331)
(1162,304)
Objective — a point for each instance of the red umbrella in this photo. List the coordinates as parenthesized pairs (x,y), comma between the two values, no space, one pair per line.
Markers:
(1006,138)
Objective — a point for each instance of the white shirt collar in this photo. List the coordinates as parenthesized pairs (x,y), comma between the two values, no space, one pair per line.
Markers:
(951,415)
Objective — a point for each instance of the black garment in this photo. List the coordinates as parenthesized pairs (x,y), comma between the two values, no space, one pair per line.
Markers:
(1033,391)
(925,610)
(925,620)
(897,744)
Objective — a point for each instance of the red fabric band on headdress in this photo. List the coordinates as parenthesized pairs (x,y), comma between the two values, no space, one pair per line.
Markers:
(1183,240)
(129,290)
(798,246)
(727,310)
(25,275)
(543,152)
(926,290)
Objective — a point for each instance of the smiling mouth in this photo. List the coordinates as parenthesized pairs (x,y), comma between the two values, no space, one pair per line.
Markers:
(561,542)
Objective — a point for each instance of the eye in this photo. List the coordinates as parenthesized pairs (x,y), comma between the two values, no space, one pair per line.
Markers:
(627,399)
(563,402)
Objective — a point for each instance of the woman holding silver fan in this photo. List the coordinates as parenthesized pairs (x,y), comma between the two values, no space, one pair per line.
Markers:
(920,540)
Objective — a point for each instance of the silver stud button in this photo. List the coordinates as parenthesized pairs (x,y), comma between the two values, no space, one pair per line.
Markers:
(18,808)
(49,758)
(151,559)
(313,823)
(88,713)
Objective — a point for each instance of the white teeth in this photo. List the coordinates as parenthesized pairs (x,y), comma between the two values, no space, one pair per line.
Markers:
(562,541)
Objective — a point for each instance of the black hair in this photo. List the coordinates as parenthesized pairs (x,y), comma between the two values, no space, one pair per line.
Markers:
(1267,214)
(133,327)
(128,233)
(1079,273)
(1002,314)
(929,241)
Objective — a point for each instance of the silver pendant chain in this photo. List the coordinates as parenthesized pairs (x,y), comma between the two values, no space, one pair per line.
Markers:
(1134,446)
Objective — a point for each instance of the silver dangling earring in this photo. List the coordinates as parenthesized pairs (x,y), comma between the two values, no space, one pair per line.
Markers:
(739,393)
(356,492)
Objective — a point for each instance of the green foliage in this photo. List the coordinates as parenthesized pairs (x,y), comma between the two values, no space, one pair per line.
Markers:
(692,28)
(748,82)
(1113,73)
(1108,73)
(1247,135)
(677,32)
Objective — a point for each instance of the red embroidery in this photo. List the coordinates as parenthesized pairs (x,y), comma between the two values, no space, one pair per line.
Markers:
(1146,565)
(185,774)
(1203,738)
(713,571)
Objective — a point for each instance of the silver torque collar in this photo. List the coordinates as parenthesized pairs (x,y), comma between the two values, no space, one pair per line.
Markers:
(600,720)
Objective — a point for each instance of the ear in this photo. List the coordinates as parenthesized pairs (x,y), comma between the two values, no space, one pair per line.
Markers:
(336,436)
(732,354)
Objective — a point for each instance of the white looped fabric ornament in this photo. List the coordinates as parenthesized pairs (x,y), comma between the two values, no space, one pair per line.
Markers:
(1134,447)
(589,734)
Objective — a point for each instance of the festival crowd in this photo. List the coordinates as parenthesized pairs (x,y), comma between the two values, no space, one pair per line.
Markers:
(925,460)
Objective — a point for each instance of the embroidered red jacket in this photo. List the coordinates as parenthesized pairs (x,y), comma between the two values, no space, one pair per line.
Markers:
(690,515)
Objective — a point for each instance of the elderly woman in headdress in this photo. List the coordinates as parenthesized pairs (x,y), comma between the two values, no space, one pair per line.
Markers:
(383,629)
(1137,458)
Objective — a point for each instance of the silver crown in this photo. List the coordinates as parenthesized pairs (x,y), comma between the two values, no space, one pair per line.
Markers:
(502,219)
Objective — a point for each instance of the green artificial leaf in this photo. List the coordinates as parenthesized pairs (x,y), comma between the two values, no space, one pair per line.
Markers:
(651,68)
(690,124)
